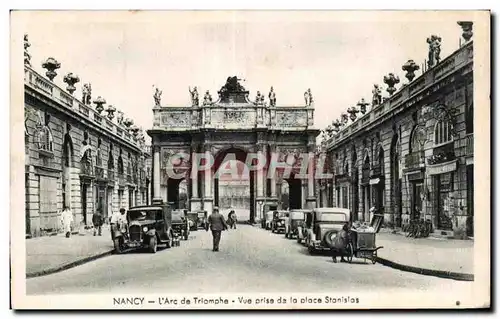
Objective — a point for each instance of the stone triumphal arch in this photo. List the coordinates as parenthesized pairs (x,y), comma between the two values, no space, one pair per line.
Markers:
(231,127)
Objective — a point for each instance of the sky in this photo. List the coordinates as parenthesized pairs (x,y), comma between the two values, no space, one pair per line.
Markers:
(338,55)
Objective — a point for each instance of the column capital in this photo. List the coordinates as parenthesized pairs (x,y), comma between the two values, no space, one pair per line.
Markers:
(156,148)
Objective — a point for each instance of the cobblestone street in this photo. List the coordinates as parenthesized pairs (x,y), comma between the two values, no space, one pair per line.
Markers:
(251,260)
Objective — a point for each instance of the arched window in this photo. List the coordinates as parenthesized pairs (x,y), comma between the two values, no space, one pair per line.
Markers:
(43,138)
(417,139)
(442,132)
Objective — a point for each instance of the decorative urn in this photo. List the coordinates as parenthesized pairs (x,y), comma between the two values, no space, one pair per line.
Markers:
(336,125)
(362,106)
(353,113)
(135,130)
(99,102)
(128,122)
(51,65)
(391,80)
(410,67)
(466,28)
(344,118)
(71,79)
(111,112)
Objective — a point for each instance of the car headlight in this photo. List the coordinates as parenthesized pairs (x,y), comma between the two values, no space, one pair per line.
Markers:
(145,229)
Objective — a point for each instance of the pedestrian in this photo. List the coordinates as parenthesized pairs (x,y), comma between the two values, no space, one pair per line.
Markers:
(97,220)
(231,218)
(118,222)
(340,244)
(66,220)
(217,225)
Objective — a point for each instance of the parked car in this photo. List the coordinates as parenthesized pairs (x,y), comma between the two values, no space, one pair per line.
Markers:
(278,222)
(192,220)
(292,224)
(302,230)
(324,226)
(148,226)
(268,220)
(202,219)
(180,223)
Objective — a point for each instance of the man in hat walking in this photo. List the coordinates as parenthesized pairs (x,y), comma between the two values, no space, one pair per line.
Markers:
(217,225)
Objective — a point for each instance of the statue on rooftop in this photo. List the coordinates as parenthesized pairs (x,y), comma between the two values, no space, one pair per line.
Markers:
(377,95)
(308,97)
(195,101)
(272,97)
(434,50)
(87,94)
(207,99)
(157,97)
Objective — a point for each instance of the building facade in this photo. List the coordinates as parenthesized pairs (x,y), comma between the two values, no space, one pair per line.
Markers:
(76,155)
(411,155)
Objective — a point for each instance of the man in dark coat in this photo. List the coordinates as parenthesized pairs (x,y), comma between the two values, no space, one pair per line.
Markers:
(217,225)
(97,220)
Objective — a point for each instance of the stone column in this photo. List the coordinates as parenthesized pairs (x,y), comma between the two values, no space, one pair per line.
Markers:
(260,176)
(208,176)
(156,174)
(195,201)
(311,198)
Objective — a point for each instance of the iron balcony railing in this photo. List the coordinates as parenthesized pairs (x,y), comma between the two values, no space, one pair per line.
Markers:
(415,160)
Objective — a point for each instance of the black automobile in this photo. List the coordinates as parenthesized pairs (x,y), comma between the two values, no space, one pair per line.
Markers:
(147,226)
(279,219)
(180,223)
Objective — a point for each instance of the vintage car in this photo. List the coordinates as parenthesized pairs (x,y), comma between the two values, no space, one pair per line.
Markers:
(192,220)
(295,222)
(279,219)
(180,223)
(323,227)
(268,220)
(147,226)
(202,221)
(302,230)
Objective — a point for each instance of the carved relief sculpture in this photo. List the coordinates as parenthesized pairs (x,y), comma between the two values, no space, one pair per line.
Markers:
(272,97)
(376,95)
(157,97)
(71,79)
(434,50)
(195,101)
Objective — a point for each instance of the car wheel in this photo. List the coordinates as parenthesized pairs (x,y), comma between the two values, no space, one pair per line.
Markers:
(152,244)
(117,245)
(330,238)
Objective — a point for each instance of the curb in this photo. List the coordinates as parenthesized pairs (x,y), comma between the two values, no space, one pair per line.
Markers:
(427,272)
(69,265)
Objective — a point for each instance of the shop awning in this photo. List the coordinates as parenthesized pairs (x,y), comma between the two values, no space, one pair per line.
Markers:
(374,181)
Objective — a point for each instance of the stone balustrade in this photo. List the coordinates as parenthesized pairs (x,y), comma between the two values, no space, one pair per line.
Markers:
(408,94)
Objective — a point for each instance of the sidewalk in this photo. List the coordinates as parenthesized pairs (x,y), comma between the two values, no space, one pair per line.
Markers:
(45,255)
(430,255)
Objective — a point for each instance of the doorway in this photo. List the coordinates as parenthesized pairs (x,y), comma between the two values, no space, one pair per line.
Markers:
(417,194)
(83,196)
